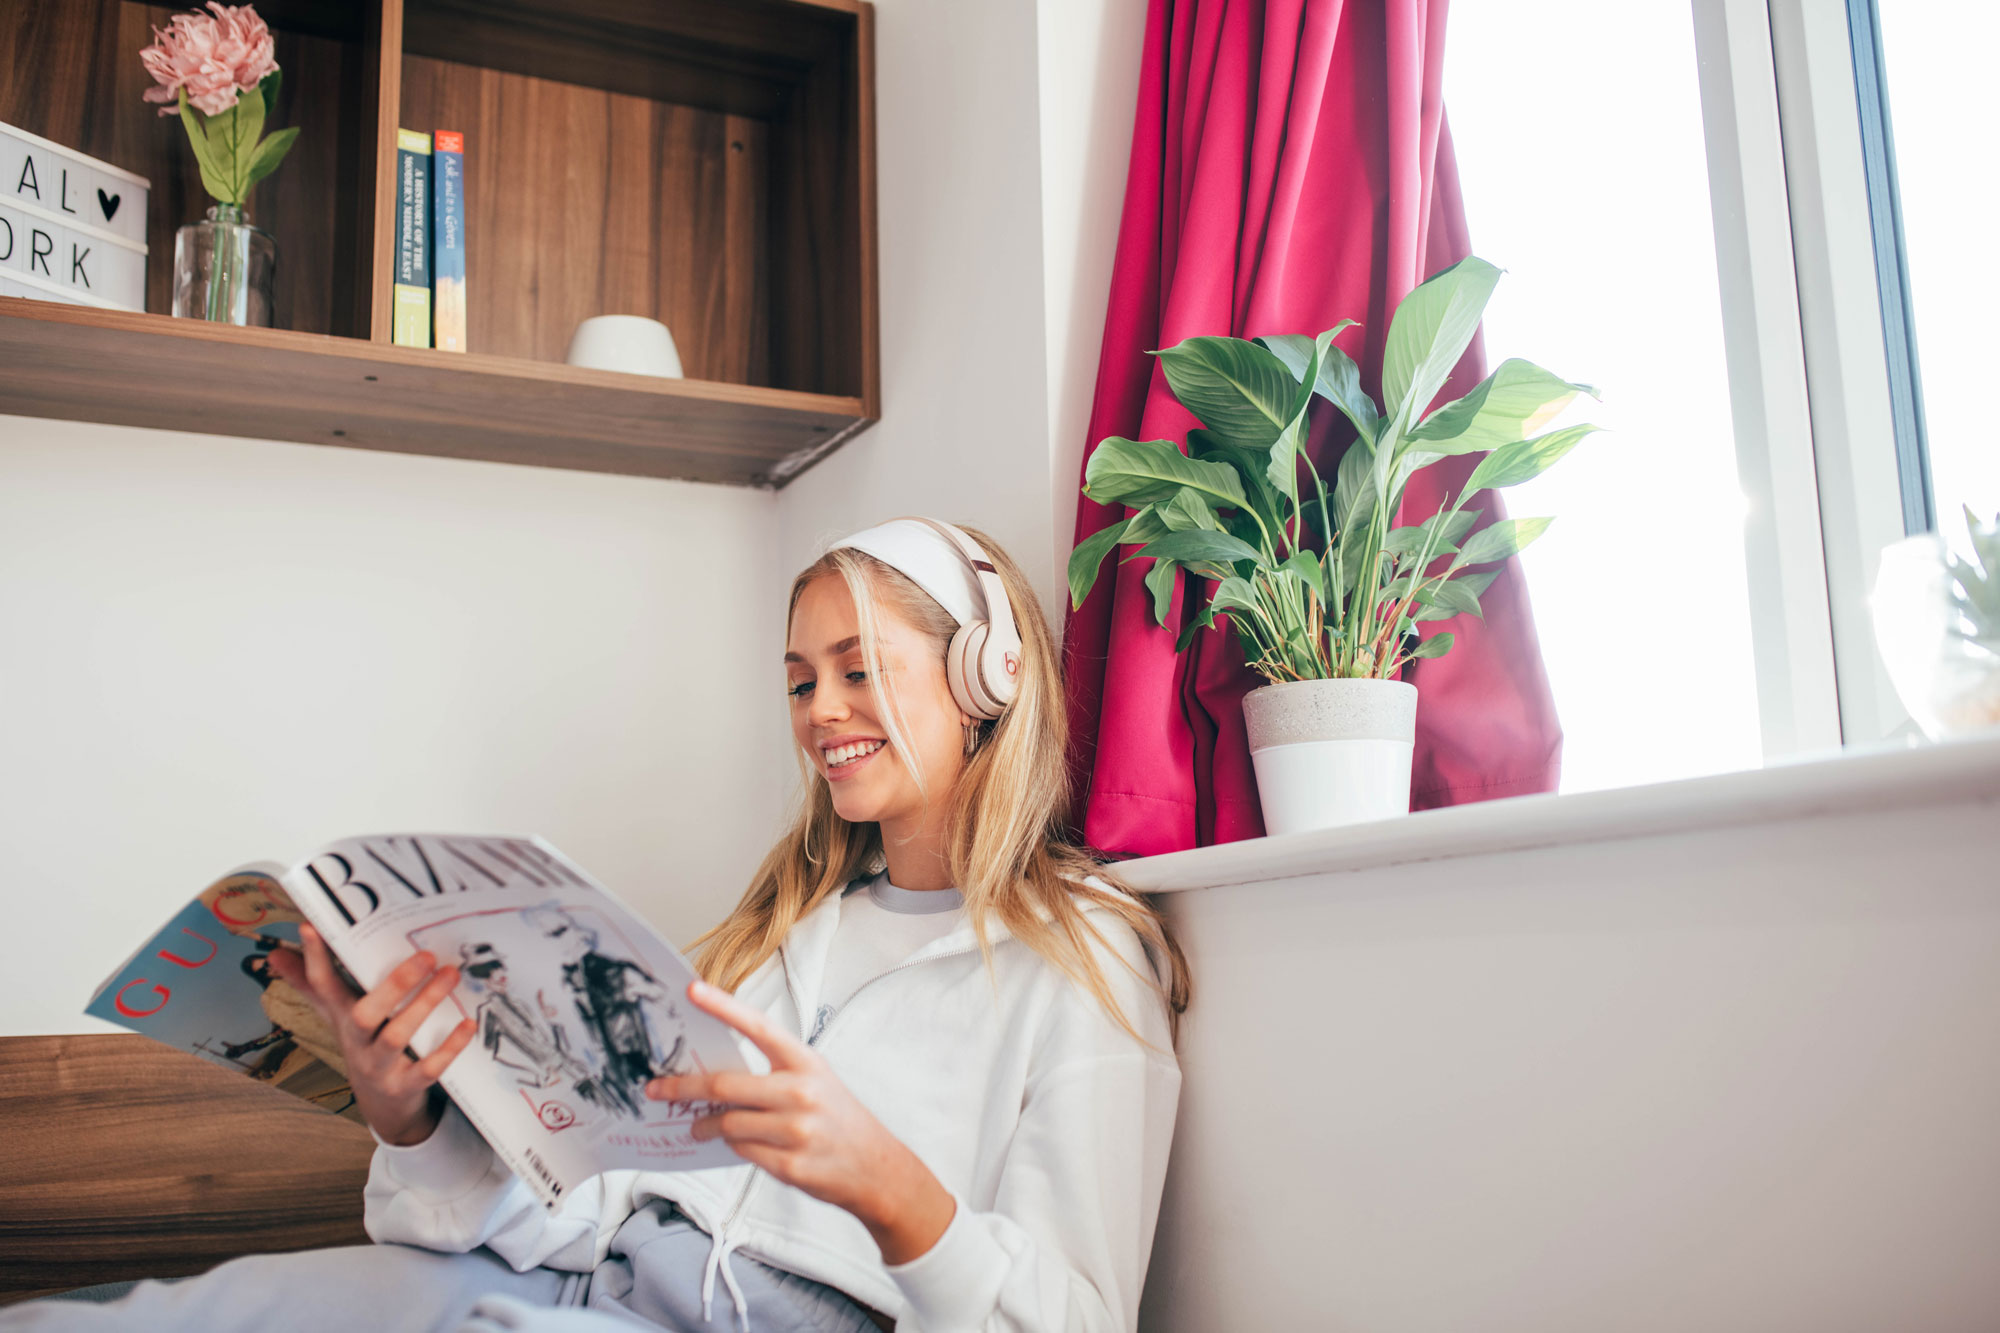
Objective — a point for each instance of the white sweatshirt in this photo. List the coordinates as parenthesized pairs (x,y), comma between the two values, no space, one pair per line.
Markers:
(1047,1122)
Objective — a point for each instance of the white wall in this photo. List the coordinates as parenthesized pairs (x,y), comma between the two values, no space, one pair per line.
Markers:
(217,650)
(1739,1075)
(1003,132)
(964,368)
(1090,52)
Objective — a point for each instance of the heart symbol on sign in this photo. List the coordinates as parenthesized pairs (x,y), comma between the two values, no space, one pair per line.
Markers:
(107,202)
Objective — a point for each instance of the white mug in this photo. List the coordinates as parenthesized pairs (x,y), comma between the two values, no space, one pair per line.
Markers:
(631,343)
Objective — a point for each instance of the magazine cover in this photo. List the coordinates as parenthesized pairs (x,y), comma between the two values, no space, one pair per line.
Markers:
(578,1002)
(204,984)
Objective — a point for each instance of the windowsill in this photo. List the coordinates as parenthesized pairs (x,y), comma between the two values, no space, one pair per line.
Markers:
(1873,780)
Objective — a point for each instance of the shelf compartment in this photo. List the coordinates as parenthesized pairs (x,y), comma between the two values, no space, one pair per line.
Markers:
(74,78)
(73,363)
(706,164)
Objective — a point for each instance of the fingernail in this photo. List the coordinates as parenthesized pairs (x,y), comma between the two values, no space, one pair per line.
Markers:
(701,988)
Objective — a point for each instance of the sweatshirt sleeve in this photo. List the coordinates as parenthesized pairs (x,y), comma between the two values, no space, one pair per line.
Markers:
(1066,1243)
(453,1193)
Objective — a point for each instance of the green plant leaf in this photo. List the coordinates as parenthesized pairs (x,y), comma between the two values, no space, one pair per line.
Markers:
(1340,384)
(1442,601)
(1233,593)
(1295,350)
(1524,460)
(1429,333)
(268,87)
(1478,582)
(1301,356)
(1197,622)
(213,180)
(1196,546)
(1241,525)
(229,139)
(1145,526)
(1189,509)
(269,154)
(1237,388)
(1281,461)
(1451,526)
(1138,472)
(1250,467)
(1354,487)
(1435,646)
(1088,557)
(1160,580)
(251,113)
(1506,537)
(1305,567)
(1511,404)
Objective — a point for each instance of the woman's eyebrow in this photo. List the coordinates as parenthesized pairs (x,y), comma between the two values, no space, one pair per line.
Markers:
(846,645)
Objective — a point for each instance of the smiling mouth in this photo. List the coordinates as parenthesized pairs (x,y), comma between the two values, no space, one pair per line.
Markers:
(846,756)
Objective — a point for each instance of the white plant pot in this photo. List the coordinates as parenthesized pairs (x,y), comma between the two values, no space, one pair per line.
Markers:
(1331,752)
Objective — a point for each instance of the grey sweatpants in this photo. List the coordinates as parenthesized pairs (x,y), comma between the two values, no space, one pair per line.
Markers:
(652,1278)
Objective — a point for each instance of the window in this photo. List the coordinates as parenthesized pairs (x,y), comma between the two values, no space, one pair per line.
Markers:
(1936,58)
(1760,227)
(1591,189)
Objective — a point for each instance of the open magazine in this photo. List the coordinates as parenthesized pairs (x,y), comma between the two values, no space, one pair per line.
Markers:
(578,1001)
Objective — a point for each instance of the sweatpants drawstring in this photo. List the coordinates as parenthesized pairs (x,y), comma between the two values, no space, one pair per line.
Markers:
(718,1262)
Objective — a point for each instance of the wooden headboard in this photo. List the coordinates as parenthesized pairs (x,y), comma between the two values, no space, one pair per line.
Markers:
(122,1158)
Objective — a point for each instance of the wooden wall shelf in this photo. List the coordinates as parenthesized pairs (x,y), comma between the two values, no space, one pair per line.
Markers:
(709,163)
(185,374)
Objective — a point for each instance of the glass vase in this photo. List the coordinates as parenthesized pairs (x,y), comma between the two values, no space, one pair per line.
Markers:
(1947,678)
(222,269)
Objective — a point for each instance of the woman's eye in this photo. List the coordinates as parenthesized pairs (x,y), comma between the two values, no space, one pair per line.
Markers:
(856,677)
(800,690)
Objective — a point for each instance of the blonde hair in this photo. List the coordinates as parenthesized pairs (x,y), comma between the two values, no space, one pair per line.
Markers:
(1008,846)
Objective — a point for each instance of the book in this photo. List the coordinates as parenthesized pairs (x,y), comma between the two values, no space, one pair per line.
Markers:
(448,240)
(410,316)
(579,1002)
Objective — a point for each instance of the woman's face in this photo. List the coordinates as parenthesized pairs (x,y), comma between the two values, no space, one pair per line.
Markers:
(835,719)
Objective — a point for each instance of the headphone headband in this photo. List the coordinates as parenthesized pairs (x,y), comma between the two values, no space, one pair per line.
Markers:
(984,660)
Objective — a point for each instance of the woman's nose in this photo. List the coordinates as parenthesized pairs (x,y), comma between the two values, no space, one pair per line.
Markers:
(829,704)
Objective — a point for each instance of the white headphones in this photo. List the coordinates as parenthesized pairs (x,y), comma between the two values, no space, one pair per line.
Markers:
(983,663)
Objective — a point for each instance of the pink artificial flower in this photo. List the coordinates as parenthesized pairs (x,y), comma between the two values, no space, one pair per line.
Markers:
(214,58)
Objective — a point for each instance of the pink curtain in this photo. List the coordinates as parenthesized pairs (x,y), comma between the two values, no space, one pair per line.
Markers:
(1290,168)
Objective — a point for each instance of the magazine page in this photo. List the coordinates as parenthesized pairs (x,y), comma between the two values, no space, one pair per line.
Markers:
(203,983)
(578,1001)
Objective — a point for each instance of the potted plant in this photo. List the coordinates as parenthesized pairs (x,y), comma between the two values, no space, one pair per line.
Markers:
(1322,592)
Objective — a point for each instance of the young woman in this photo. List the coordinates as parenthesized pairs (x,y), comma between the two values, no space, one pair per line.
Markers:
(971,1090)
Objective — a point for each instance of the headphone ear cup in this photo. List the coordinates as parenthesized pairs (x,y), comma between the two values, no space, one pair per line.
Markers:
(962,670)
(999,670)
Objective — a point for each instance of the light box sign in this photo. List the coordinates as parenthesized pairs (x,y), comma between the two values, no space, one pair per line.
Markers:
(71,228)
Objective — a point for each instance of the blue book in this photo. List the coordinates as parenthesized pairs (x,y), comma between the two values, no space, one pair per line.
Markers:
(448,240)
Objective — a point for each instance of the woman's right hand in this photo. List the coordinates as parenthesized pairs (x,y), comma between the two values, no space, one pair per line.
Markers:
(391,1088)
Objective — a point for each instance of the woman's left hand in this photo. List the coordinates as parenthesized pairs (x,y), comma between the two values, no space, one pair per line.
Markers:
(801,1124)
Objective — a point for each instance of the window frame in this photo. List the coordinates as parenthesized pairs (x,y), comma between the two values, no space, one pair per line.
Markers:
(1825,398)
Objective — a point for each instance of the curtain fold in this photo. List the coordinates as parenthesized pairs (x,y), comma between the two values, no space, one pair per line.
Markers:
(1291,167)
